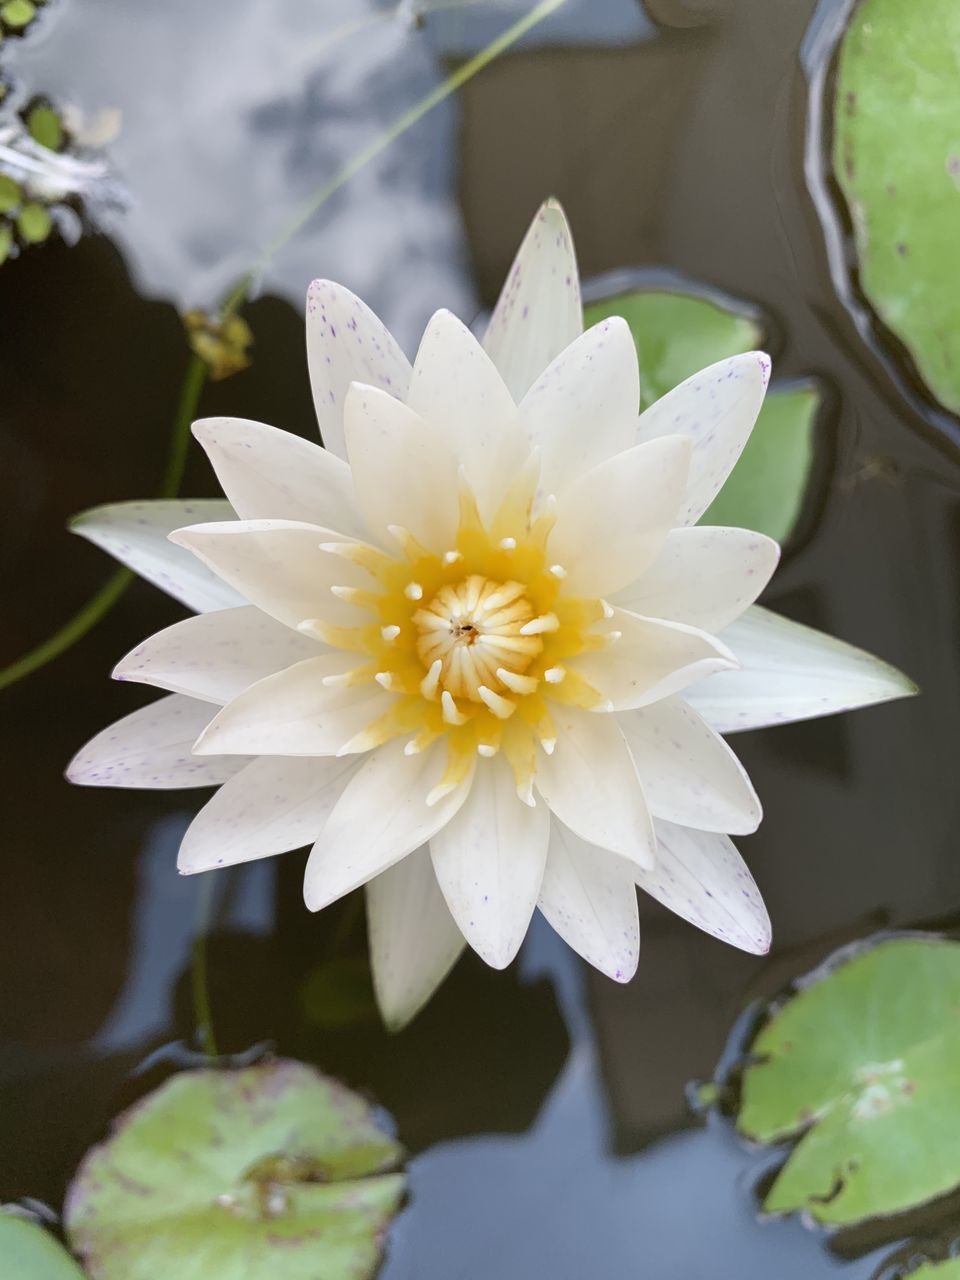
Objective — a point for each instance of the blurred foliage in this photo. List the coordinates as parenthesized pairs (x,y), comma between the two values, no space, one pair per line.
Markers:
(29,1252)
(223,345)
(339,993)
(896,157)
(245,1174)
(678,333)
(859,1066)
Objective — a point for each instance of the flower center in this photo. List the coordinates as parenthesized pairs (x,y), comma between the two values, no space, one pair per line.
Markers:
(475,630)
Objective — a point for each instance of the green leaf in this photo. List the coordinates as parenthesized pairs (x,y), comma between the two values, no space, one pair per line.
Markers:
(10,194)
(34,223)
(676,334)
(861,1067)
(947,1270)
(766,488)
(17,13)
(255,1174)
(896,156)
(29,1252)
(44,126)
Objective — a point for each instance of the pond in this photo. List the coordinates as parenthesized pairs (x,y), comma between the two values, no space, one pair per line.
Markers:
(545,1108)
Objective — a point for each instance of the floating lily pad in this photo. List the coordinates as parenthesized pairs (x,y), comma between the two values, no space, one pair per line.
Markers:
(946,1270)
(29,1252)
(254,1174)
(861,1067)
(896,156)
(677,334)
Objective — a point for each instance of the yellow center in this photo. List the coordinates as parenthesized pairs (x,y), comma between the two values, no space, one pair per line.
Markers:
(475,641)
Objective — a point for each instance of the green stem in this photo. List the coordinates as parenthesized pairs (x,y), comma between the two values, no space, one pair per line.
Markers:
(202,1015)
(193,383)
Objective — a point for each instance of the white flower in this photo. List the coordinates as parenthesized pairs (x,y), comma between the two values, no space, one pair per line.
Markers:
(469,651)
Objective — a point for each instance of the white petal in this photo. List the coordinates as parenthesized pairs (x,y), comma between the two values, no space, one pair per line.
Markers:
(588,896)
(403,471)
(715,409)
(151,748)
(650,660)
(272,805)
(704,576)
(590,782)
(274,475)
(414,940)
(489,861)
(791,672)
(293,713)
(701,876)
(347,343)
(278,566)
(456,388)
(135,533)
(583,408)
(688,772)
(613,520)
(538,312)
(215,656)
(381,817)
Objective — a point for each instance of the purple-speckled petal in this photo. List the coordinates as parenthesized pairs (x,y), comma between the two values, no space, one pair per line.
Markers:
(704,576)
(688,772)
(701,876)
(272,805)
(152,749)
(588,896)
(715,409)
(215,656)
(489,861)
(136,533)
(347,343)
(539,311)
(583,408)
(414,940)
(791,672)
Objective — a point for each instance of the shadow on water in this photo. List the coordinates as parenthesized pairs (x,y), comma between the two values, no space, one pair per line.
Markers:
(545,1105)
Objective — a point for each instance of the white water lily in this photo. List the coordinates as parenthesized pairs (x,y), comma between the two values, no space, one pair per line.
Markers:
(477,650)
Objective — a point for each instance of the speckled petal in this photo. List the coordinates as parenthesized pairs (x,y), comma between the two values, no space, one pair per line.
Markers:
(688,772)
(591,784)
(791,672)
(715,409)
(583,408)
(704,576)
(293,713)
(136,533)
(588,896)
(347,343)
(272,805)
(614,519)
(215,656)
(414,940)
(539,310)
(278,566)
(489,862)
(650,660)
(381,817)
(701,876)
(403,470)
(456,388)
(151,749)
(274,475)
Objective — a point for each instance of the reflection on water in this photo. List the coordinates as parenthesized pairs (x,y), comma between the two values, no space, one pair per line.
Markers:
(551,1134)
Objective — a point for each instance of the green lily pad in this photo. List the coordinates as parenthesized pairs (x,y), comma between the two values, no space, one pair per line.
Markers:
(29,1252)
(34,223)
(677,334)
(18,13)
(896,156)
(947,1270)
(861,1067)
(44,127)
(253,1174)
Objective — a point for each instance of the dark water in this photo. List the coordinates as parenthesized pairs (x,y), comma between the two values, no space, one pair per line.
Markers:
(545,1106)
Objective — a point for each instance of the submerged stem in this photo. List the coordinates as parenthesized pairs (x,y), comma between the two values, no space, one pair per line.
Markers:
(202,1014)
